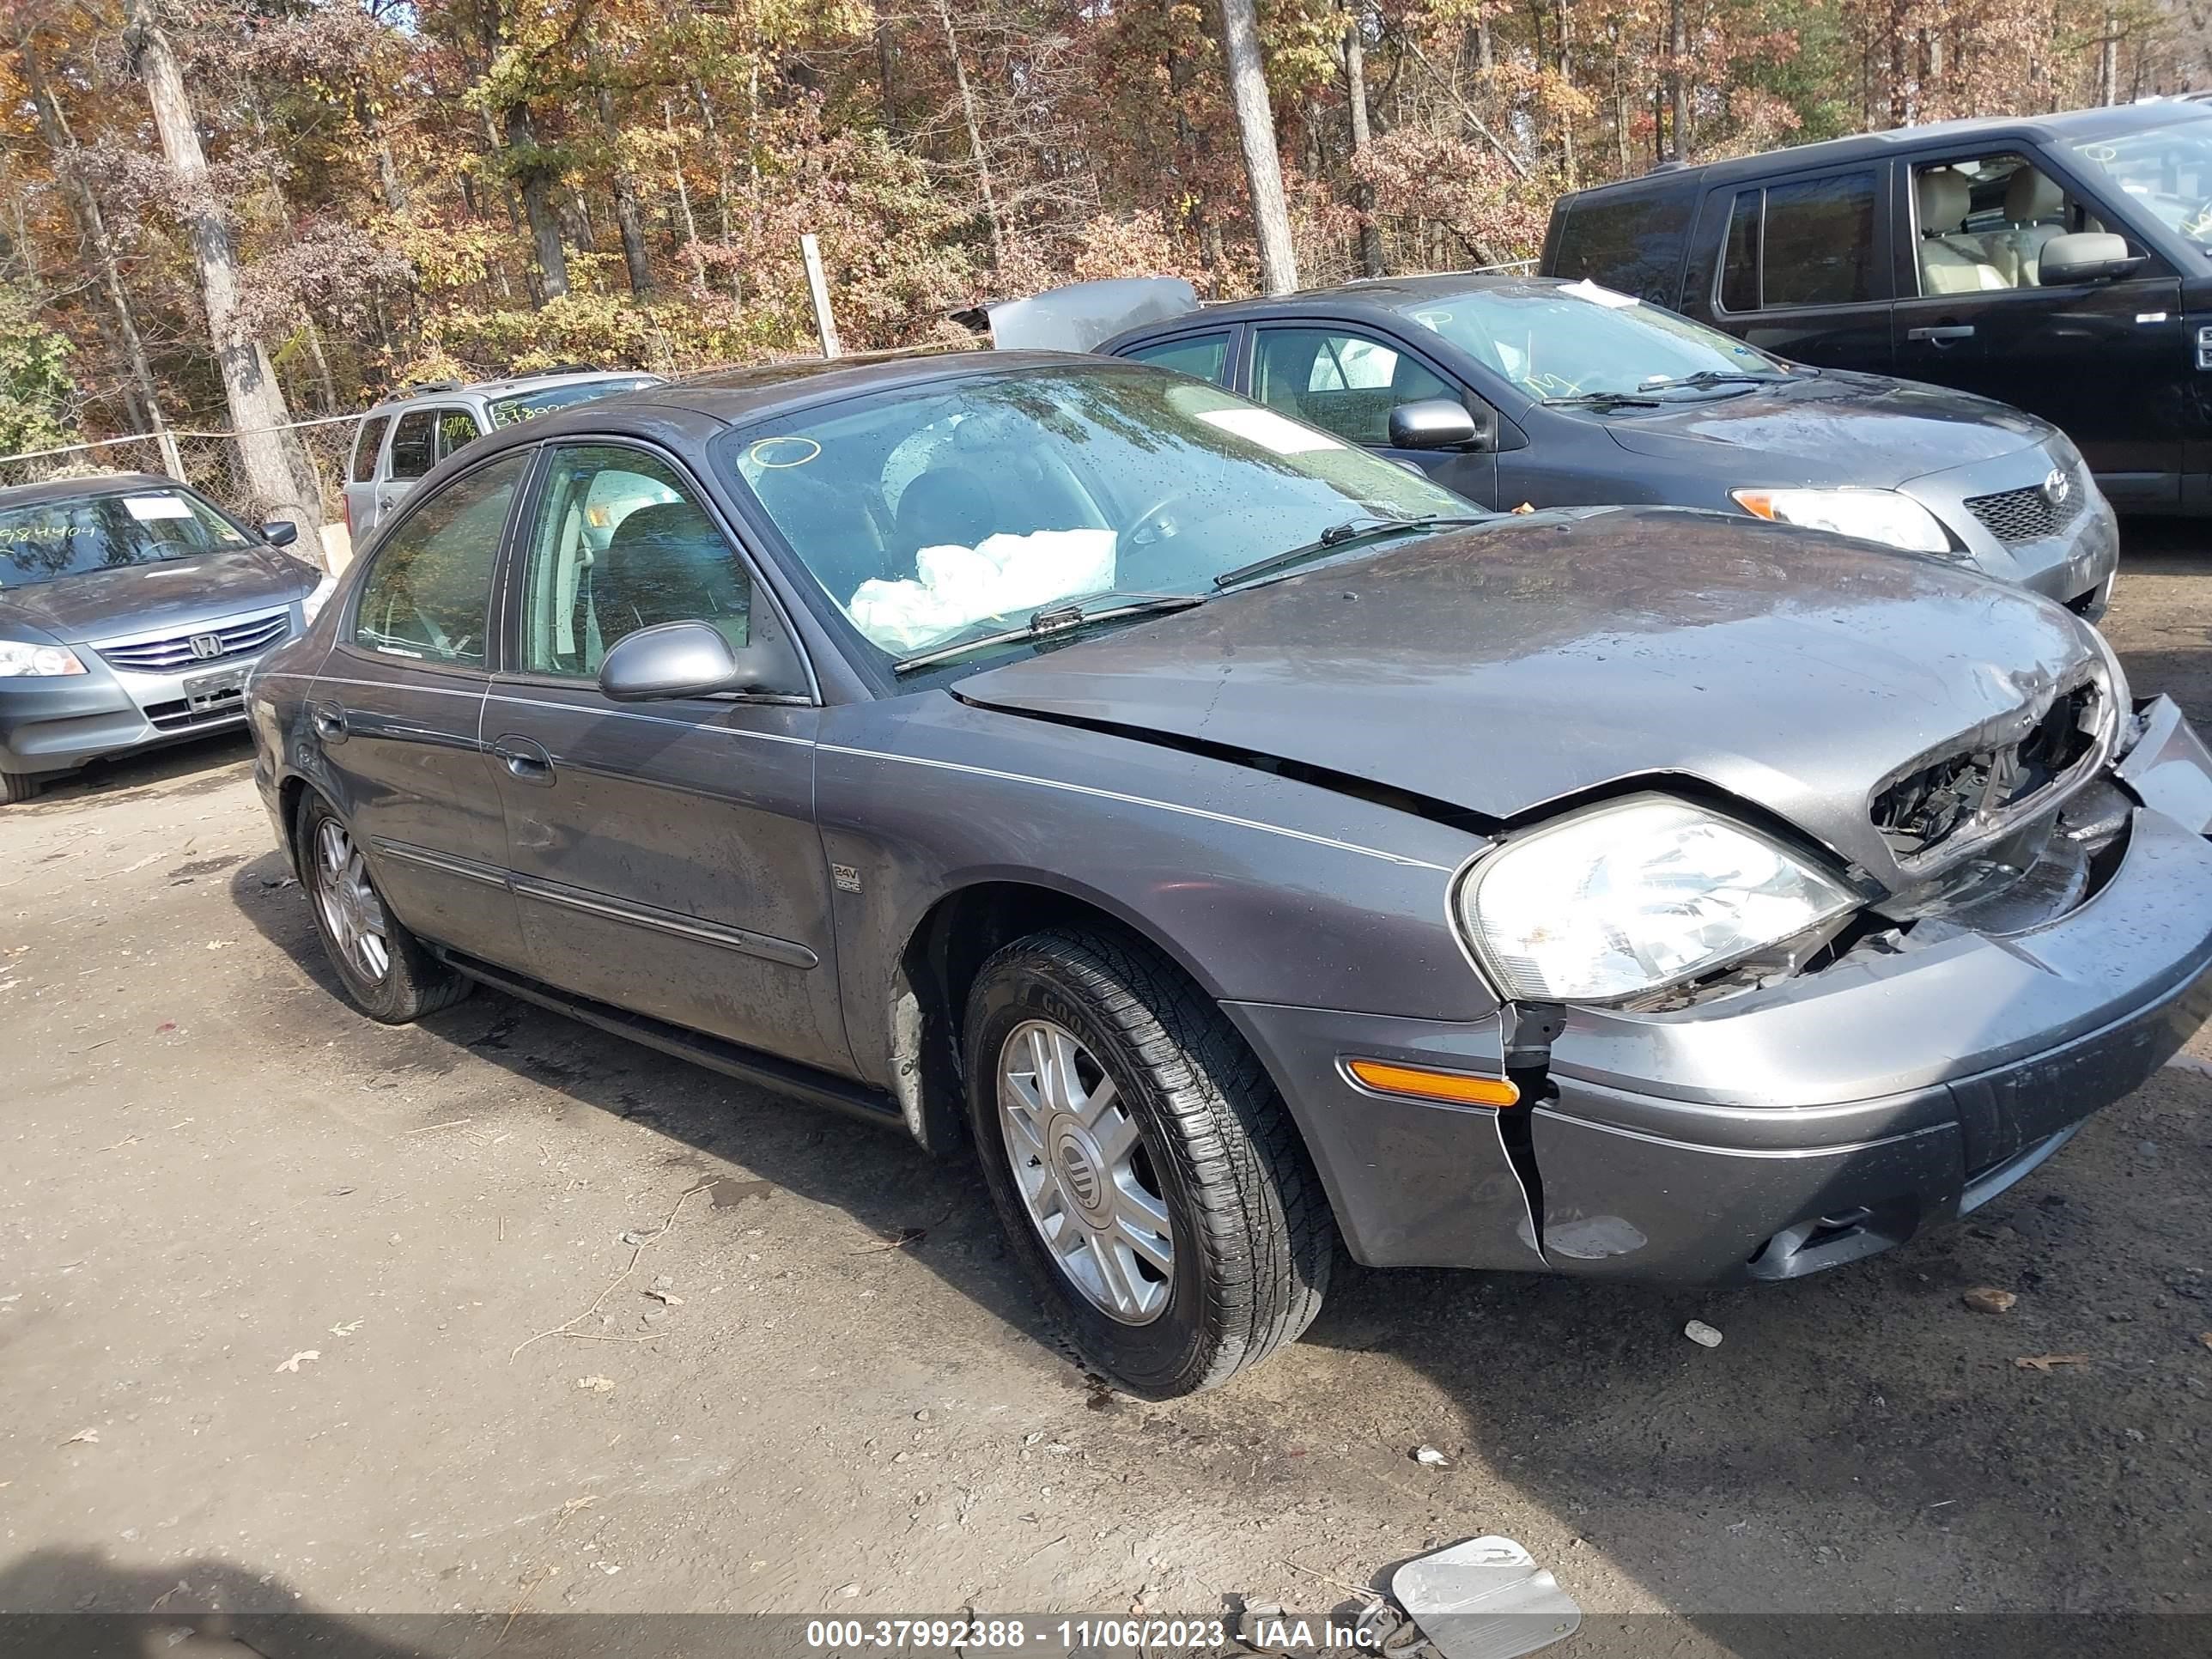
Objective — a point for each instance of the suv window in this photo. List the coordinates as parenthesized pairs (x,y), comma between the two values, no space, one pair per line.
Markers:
(621,544)
(413,444)
(429,593)
(1632,244)
(1342,382)
(366,443)
(1205,356)
(1981,224)
(1809,243)
(457,429)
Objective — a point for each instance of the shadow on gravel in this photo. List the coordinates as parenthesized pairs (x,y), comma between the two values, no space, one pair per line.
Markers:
(203,765)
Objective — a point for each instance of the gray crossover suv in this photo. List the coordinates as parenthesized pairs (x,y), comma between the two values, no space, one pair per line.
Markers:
(1241,843)
(131,609)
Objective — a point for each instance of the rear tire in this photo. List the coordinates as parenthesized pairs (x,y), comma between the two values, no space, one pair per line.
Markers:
(384,968)
(16,786)
(1146,1171)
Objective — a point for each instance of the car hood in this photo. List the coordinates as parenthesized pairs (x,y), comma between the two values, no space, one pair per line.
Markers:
(1828,429)
(1502,669)
(104,605)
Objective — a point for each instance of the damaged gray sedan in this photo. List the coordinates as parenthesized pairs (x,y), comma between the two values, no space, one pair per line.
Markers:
(1241,848)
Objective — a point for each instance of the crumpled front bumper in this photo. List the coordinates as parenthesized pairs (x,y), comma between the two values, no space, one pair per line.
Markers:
(1787,1130)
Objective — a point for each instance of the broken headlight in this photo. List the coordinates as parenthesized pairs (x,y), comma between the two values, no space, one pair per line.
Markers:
(1635,896)
(1872,515)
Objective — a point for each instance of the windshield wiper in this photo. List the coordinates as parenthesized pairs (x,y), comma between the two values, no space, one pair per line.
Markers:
(1054,619)
(1602,401)
(1705,377)
(1336,538)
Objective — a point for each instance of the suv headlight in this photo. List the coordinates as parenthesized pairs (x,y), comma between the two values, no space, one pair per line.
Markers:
(1633,897)
(1872,515)
(25,660)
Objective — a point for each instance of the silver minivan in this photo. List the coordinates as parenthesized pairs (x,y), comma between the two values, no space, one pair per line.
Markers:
(400,441)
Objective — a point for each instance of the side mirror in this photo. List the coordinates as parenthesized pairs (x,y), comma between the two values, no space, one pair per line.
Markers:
(2086,256)
(280,533)
(681,660)
(1440,423)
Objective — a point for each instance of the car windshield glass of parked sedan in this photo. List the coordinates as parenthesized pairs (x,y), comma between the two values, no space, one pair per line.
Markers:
(77,534)
(1578,340)
(2168,169)
(529,405)
(927,512)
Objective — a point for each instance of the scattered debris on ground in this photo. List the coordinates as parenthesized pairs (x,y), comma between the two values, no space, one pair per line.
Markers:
(1702,1333)
(1987,1298)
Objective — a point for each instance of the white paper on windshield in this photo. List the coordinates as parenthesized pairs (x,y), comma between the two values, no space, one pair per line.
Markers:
(997,575)
(146,508)
(1586,289)
(1269,430)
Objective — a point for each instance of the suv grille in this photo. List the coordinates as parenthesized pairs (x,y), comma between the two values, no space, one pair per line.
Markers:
(175,655)
(2027,514)
(1926,808)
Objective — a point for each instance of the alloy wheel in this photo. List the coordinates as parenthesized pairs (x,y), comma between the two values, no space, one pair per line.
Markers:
(350,908)
(1083,1173)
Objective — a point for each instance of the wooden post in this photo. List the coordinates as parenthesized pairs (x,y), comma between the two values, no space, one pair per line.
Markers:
(818,287)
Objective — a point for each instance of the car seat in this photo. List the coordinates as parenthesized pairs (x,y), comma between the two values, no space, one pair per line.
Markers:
(2030,199)
(669,563)
(1950,261)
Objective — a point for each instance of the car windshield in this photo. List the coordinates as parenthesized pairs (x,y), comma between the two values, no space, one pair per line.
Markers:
(2168,169)
(1577,340)
(529,405)
(928,511)
(75,535)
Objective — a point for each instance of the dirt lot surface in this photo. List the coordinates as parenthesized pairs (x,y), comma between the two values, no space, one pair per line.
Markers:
(300,1311)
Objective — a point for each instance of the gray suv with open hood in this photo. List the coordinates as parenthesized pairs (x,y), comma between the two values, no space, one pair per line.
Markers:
(1239,844)
(132,608)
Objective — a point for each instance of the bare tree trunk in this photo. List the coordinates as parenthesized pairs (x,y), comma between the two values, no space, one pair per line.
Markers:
(982,162)
(722,168)
(537,187)
(1363,195)
(276,470)
(1678,78)
(2108,62)
(1566,71)
(683,201)
(328,387)
(627,219)
(61,142)
(394,189)
(1256,130)
(886,60)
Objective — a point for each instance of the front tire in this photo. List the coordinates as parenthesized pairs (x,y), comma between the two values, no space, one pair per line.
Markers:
(1148,1177)
(16,786)
(386,970)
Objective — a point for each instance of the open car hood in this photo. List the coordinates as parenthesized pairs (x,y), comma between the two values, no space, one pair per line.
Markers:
(1497,669)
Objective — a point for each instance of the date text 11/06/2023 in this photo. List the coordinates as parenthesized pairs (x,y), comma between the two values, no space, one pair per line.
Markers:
(1013,1632)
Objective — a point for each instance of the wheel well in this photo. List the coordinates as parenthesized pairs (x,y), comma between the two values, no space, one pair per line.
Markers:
(289,793)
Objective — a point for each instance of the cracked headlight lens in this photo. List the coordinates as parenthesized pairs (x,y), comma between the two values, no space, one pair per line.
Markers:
(1872,515)
(1633,897)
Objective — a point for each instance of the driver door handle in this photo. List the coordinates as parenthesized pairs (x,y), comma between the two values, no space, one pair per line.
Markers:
(1944,334)
(329,722)
(525,759)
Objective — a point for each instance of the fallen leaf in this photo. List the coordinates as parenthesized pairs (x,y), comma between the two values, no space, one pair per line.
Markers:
(2043,1362)
(346,1329)
(166,1026)
(220,944)
(2205,1337)
(597,1384)
(668,1297)
(292,1364)
(1989,1300)
(83,1436)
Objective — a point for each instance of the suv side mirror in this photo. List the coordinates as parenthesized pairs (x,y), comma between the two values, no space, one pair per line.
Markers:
(280,533)
(1441,423)
(688,659)
(2085,255)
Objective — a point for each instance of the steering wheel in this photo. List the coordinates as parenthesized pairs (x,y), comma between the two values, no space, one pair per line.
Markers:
(1130,534)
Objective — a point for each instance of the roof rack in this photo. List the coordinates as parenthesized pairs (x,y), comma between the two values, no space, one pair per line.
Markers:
(432,386)
(562,368)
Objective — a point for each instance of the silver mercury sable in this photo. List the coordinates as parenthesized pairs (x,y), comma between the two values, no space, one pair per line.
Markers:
(1240,848)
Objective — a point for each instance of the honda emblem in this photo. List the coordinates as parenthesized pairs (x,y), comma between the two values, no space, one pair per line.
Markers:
(206,645)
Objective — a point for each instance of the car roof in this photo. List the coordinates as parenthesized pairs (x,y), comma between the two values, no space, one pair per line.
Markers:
(102,484)
(1368,296)
(501,388)
(2070,126)
(756,391)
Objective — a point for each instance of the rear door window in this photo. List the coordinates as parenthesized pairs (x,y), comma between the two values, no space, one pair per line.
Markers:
(1633,244)
(366,443)
(1810,242)
(429,595)
(413,444)
(1343,382)
(1204,355)
(457,429)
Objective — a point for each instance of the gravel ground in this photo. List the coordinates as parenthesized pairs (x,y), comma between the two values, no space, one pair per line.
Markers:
(300,1312)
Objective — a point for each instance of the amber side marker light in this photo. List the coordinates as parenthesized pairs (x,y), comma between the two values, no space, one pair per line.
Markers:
(1456,1087)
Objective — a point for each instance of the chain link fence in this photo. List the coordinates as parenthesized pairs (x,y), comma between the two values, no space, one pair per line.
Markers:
(209,461)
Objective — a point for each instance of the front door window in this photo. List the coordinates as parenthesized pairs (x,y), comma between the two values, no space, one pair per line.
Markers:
(1342,382)
(1981,223)
(428,595)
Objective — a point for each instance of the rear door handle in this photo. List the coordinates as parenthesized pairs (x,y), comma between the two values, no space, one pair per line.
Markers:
(329,722)
(524,758)
(1943,334)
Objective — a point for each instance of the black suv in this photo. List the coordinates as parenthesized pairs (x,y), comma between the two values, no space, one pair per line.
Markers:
(2061,264)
